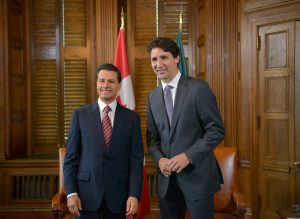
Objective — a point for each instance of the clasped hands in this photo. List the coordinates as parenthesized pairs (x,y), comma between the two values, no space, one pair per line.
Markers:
(175,164)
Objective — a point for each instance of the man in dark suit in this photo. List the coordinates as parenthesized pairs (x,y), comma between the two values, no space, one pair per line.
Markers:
(103,169)
(183,128)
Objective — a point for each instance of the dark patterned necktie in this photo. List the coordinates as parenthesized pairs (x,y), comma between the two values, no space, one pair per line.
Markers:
(106,126)
(168,102)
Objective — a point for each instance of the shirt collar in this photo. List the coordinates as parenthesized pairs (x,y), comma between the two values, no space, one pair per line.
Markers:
(112,105)
(174,82)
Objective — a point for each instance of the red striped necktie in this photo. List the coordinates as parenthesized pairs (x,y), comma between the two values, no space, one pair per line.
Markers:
(106,126)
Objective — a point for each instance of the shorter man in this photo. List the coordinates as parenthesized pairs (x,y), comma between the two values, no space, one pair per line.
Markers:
(103,169)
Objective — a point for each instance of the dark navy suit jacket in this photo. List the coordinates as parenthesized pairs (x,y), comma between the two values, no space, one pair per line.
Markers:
(196,129)
(95,172)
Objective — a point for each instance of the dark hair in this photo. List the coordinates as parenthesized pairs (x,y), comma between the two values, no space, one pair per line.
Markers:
(109,67)
(166,44)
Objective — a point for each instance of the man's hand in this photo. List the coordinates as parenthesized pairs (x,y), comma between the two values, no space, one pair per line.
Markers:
(164,167)
(132,205)
(74,205)
(178,162)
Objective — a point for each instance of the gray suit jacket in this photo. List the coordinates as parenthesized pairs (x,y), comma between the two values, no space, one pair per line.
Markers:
(196,129)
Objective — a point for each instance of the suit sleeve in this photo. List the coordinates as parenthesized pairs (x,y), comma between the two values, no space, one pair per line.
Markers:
(152,135)
(72,157)
(136,161)
(211,122)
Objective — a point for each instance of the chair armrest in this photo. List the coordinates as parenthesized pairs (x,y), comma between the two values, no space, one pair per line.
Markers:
(56,202)
(239,200)
(59,203)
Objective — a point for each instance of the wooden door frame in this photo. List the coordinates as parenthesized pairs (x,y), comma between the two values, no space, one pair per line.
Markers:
(297,102)
(253,19)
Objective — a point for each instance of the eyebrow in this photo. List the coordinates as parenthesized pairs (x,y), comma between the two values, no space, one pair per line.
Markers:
(162,57)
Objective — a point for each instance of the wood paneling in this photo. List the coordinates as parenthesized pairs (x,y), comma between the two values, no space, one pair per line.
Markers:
(3,63)
(276,101)
(266,127)
(297,109)
(28,189)
(16,80)
(218,50)
(106,30)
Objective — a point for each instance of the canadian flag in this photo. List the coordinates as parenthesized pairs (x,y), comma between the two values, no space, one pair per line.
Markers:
(126,98)
(126,95)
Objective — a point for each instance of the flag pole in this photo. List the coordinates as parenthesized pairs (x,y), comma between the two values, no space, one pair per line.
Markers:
(180,18)
(182,64)
(122,18)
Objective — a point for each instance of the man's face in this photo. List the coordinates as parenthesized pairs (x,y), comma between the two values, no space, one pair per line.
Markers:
(107,86)
(164,64)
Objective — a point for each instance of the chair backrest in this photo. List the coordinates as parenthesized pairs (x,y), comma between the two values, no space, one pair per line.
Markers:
(227,160)
(62,154)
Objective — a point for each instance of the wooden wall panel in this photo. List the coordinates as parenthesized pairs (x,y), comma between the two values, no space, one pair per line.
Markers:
(256,14)
(28,189)
(218,50)
(17,80)
(106,30)
(3,80)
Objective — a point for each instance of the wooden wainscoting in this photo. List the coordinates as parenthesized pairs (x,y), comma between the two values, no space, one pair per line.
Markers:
(27,187)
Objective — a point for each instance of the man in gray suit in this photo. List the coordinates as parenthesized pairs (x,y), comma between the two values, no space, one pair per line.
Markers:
(183,128)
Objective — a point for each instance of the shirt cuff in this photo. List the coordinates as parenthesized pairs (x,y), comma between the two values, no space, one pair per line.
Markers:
(72,194)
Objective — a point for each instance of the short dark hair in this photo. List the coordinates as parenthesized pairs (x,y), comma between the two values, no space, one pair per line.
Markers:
(164,43)
(109,67)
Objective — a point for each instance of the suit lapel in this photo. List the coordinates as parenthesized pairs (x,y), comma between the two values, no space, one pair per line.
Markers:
(179,100)
(96,123)
(116,126)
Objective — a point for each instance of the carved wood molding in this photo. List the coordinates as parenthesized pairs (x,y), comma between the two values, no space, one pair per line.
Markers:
(245,163)
(251,6)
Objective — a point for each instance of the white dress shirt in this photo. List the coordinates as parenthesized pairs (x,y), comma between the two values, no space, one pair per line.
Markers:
(111,114)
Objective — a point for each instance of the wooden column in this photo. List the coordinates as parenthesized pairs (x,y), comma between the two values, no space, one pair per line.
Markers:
(106,30)
(219,39)
(3,84)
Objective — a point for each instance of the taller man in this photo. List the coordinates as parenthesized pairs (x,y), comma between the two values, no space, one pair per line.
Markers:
(183,128)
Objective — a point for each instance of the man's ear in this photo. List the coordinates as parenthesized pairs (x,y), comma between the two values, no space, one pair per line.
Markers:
(177,59)
(119,86)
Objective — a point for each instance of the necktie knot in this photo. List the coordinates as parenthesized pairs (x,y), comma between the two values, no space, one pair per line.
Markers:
(106,109)
(168,89)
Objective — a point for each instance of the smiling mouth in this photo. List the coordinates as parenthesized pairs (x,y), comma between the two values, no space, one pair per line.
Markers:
(161,71)
(105,91)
